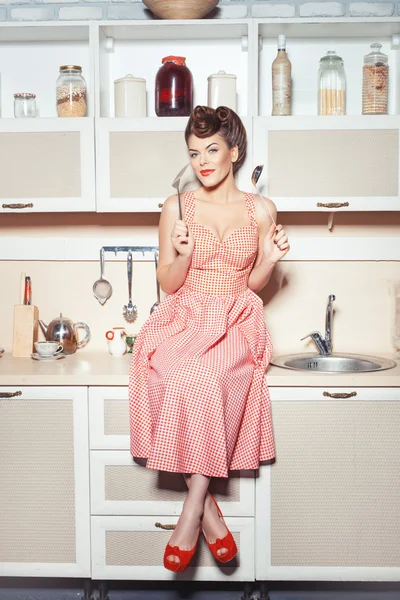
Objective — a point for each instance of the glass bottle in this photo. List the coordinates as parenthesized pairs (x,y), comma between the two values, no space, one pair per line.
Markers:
(174,88)
(331,85)
(71,92)
(281,81)
(24,105)
(375,82)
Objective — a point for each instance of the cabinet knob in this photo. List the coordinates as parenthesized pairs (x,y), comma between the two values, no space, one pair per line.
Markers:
(332,204)
(30,205)
(10,394)
(161,526)
(160,204)
(340,394)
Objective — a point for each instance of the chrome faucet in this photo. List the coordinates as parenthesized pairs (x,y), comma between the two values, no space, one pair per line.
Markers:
(324,345)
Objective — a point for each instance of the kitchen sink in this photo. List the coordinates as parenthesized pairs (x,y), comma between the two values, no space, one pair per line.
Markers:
(333,363)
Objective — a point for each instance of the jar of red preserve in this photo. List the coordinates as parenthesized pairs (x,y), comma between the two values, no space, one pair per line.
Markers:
(174,88)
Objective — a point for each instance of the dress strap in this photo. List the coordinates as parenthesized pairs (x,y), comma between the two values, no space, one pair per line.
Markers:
(251,208)
(188,207)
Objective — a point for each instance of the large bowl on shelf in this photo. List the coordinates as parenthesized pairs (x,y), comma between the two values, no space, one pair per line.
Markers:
(180,9)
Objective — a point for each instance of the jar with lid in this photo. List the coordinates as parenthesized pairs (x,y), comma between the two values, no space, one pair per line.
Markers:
(24,105)
(331,85)
(71,92)
(174,88)
(130,96)
(375,82)
(222,90)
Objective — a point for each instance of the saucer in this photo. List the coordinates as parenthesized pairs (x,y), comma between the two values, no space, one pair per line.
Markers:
(37,356)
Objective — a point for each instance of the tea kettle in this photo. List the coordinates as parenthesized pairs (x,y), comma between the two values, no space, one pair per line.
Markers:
(63,330)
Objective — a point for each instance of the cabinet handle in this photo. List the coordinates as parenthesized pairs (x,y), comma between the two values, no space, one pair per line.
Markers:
(10,394)
(161,526)
(332,204)
(30,205)
(160,204)
(340,394)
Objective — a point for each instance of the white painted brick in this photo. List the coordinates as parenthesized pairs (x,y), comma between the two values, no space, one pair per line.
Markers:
(273,10)
(32,14)
(371,9)
(322,9)
(15,1)
(3,14)
(80,13)
(231,12)
(106,1)
(136,11)
(55,1)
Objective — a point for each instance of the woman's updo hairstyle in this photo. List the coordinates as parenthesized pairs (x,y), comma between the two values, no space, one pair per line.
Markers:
(205,122)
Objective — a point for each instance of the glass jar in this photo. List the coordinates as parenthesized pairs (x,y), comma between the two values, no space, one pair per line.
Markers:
(71,92)
(24,105)
(174,88)
(331,85)
(375,82)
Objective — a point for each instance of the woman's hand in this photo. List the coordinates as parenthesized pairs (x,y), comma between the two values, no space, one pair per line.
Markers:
(182,239)
(276,244)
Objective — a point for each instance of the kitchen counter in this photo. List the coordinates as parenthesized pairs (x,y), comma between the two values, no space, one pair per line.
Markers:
(89,368)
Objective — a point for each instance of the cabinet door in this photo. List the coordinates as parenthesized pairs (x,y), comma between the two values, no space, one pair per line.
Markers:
(133,548)
(47,165)
(44,474)
(328,508)
(137,160)
(119,486)
(329,163)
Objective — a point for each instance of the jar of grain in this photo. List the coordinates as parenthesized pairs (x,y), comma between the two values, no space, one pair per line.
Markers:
(375,82)
(331,85)
(71,92)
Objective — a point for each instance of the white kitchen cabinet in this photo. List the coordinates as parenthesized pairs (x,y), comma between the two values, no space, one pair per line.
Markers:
(47,165)
(44,474)
(133,548)
(328,508)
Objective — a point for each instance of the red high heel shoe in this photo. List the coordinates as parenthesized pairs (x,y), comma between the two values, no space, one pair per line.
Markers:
(185,556)
(227,542)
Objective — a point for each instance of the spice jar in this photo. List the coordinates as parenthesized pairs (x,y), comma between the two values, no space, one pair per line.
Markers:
(174,88)
(24,105)
(130,96)
(331,85)
(375,82)
(71,92)
(222,90)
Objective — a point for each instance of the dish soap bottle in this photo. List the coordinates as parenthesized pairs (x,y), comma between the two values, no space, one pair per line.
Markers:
(281,81)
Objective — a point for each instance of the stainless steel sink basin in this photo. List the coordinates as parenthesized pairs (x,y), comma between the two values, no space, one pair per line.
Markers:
(333,363)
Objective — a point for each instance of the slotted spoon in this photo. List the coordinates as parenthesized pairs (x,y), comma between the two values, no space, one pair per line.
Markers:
(157,284)
(130,310)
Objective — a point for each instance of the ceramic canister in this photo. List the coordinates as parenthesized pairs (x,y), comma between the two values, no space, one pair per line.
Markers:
(130,96)
(222,90)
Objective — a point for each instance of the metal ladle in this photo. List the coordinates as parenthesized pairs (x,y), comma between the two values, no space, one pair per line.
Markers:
(254,179)
(157,285)
(102,289)
(130,310)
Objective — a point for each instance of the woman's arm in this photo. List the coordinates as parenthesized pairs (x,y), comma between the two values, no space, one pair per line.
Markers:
(176,246)
(272,245)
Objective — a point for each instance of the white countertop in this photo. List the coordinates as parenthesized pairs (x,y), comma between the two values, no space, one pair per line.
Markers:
(86,368)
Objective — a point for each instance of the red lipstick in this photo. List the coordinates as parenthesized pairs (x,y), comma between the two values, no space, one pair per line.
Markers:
(206,172)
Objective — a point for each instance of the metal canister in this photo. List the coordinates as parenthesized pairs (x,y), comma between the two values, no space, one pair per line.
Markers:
(130,96)
(222,90)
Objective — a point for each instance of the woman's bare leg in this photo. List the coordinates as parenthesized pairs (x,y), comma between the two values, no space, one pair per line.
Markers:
(185,533)
(211,524)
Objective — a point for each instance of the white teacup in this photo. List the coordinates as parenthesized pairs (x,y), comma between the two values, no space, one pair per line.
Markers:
(48,348)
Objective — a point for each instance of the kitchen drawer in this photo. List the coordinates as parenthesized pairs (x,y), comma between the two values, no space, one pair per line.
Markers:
(119,486)
(109,418)
(133,548)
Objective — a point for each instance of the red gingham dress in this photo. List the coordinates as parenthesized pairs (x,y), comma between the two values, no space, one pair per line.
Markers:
(199,401)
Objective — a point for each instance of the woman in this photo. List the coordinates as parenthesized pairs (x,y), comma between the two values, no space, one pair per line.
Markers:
(198,398)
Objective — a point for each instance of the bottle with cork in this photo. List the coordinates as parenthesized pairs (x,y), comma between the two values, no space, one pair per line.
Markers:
(281,81)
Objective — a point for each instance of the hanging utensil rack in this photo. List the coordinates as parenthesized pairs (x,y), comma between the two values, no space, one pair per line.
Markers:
(132,249)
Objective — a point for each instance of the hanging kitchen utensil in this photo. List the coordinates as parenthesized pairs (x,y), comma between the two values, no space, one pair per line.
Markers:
(157,284)
(185,176)
(130,310)
(102,289)
(254,179)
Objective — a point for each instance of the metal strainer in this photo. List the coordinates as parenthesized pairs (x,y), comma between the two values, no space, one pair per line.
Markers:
(102,289)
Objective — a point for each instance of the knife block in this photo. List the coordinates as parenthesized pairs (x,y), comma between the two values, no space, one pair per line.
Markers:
(26,330)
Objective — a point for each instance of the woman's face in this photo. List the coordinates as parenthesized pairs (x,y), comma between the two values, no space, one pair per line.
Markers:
(211,158)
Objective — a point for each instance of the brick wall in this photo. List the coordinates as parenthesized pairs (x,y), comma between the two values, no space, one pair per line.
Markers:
(69,10)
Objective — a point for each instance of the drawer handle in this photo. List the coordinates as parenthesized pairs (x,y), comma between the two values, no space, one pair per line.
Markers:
(161,526)
(30,205)
(160,204)
(340,394)
(10,394)
(332,204)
